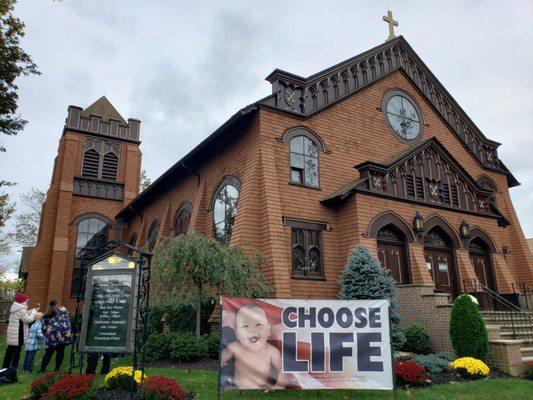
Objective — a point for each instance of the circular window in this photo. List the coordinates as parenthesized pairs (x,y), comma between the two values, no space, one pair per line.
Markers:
(403,115)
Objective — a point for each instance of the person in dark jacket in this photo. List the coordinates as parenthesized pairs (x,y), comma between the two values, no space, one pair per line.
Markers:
(57,334)
(17,329)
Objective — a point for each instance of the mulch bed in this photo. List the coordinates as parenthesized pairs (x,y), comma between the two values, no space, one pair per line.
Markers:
(121,394)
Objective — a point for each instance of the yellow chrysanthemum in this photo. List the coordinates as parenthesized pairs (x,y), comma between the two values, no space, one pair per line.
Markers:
(124,371)
(472,366)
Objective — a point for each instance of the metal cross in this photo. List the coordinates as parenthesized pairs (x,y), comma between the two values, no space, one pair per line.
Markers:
(392,23)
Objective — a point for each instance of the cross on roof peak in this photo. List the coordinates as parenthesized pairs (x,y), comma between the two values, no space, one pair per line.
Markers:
(392,23)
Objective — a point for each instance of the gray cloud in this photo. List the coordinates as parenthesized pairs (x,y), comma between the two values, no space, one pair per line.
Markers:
(184,67)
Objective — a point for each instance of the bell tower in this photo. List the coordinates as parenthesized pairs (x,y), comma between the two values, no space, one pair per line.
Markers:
(96,173)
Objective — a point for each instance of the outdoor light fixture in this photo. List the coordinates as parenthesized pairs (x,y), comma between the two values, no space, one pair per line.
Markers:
(418,223)
(464,229)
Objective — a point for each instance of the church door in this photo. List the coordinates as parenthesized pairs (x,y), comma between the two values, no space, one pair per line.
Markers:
(392,253)
(480,259)
(438,252)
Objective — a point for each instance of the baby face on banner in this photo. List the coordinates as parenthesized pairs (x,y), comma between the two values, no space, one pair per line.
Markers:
(252,328)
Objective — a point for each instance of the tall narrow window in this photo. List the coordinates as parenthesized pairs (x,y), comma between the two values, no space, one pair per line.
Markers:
(181,222)
(152,235)
(92,233)
(110,167)
(306,244)
(91,164)
(304,161)
(225,209)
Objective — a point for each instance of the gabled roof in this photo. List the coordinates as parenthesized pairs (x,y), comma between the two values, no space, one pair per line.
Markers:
(103,108)
(304,97)
(391,163)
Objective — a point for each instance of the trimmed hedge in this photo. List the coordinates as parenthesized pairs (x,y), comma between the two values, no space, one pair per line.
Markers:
(181,317)
(180,347)
(467,330)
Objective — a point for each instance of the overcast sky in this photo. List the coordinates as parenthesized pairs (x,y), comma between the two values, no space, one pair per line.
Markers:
(184,67)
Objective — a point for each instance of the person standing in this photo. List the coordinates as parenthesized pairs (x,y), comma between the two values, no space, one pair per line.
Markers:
(17,329)
(57,334)
(34,342)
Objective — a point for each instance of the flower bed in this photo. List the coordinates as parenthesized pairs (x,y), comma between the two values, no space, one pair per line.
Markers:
(40,386)
(471,368)
(71,387)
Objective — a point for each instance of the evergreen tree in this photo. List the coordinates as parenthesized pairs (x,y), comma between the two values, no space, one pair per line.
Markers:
(467,329)
(364,279)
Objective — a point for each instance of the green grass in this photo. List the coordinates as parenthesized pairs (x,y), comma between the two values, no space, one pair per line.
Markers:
(204,383)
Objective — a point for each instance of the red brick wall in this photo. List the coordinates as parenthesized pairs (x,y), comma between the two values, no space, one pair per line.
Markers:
(52,260)
(353,131)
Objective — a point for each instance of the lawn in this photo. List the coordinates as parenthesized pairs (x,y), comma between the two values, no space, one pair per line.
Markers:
(204,383)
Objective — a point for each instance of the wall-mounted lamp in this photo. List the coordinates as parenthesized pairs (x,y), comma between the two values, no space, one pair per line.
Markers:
(464,229)
(418,223)
(506,250)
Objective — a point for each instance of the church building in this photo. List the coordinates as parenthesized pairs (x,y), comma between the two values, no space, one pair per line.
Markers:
(373,151)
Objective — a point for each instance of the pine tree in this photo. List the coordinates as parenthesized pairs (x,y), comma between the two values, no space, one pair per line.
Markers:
(364,279)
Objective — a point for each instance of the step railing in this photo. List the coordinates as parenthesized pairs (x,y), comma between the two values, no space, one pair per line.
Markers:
(524,295)
(503,311)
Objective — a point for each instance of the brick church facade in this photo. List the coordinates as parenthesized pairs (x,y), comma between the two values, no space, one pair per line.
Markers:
(371,151)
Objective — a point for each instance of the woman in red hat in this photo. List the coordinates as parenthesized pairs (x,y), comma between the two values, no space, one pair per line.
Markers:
(17,329)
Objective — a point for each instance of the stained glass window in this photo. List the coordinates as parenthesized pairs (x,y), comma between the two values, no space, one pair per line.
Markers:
(225,210)
(304,161)
(403,117)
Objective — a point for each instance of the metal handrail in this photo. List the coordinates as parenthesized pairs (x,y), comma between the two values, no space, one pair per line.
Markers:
(518,320)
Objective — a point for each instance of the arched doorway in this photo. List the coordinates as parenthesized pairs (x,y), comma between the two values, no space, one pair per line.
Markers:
(392,252)
(438,251)
(481,261)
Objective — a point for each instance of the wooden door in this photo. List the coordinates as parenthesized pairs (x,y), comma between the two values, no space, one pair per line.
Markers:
(439,263)
(438,252)
(392,253)
(481,261)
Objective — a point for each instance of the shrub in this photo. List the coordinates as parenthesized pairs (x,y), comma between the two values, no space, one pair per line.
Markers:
(158,345)
(212,344)
(467,330)
(123,378)
(446,355)
(187,347)
(161,388)
(411,373)
(471,368)
(71,387)
(417,339)
(528,372)
(363,278)
(40,386)
(432,362)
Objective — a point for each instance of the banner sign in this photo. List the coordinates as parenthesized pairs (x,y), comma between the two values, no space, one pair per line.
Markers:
(305,344)
(108,314)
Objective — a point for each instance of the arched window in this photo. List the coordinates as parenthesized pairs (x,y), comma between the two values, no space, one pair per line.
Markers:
(225,209)
(183,217)
(110,167)
(91,164)
(100,159)
(152,235)
(306,241)
(392,252)
(92,232)
(304,161)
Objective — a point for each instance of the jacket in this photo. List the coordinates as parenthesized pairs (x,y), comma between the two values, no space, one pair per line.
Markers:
(56,328)
(35,337)
(17,328)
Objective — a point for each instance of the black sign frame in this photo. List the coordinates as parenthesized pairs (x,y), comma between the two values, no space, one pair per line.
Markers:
(93,272)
